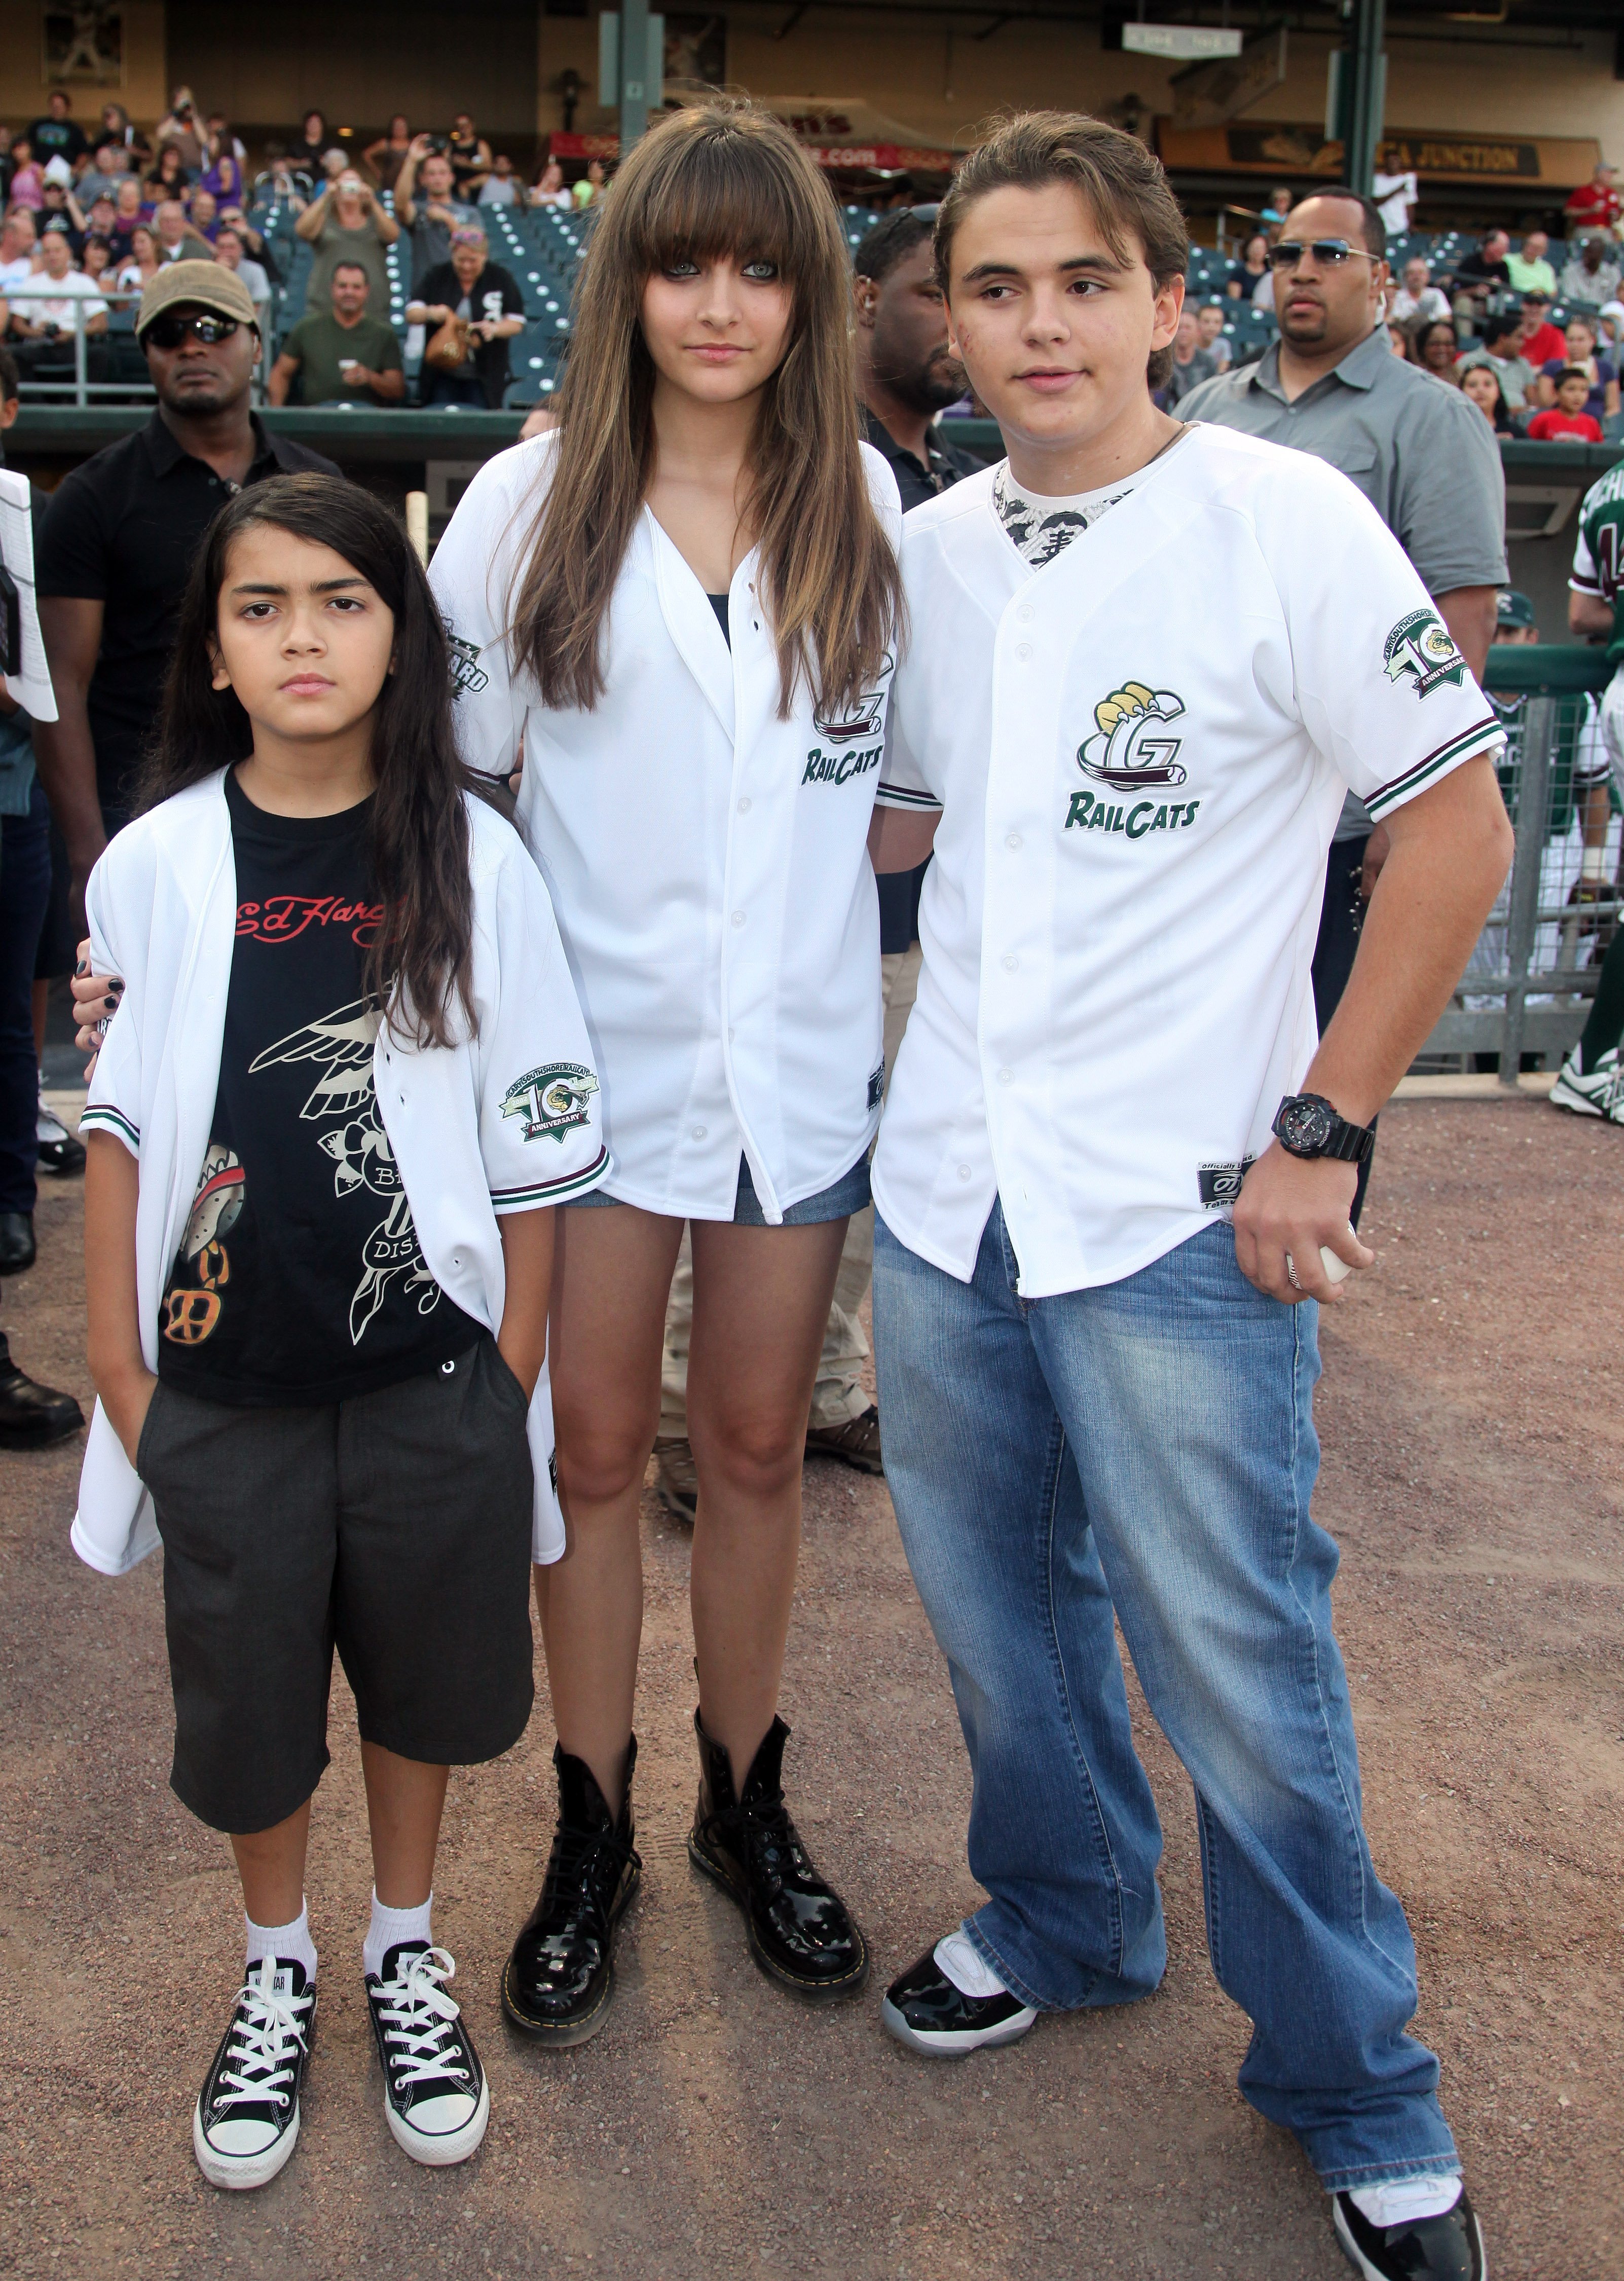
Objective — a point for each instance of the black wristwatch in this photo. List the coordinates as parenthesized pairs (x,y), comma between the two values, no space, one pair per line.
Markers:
(1306,1123)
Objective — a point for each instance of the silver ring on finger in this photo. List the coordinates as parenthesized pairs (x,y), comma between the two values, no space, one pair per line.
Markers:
(1291,1272)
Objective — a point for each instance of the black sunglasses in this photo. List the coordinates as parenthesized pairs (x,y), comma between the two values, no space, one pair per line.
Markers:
(171,332)
(1329,251)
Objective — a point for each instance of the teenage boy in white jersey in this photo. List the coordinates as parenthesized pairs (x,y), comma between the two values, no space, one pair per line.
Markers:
(1148,664)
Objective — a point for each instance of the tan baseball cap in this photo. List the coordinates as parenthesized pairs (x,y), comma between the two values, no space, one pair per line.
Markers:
(196,285)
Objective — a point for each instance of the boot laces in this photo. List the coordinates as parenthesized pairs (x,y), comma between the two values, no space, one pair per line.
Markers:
(585,1865)
(768,1837)
(268,2027)
(420,2020)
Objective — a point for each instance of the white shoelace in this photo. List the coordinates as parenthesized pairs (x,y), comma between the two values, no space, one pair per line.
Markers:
(419,2015)
(261,2063)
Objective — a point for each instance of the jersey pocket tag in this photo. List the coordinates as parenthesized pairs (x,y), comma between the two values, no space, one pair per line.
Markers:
(877,1086)
(1220,1184)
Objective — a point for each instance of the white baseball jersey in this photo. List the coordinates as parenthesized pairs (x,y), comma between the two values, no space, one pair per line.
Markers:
(707,862)
(506,1121)
(1139,751)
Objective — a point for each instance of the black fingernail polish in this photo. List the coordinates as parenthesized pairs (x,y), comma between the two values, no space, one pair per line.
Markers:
(110,1004)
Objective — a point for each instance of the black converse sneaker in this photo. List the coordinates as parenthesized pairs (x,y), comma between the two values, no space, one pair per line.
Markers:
(246,2120)
(1445,2248)
(434,2093)
(927,2010)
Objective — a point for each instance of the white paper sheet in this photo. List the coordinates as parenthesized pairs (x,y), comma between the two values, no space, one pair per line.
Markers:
(31,687)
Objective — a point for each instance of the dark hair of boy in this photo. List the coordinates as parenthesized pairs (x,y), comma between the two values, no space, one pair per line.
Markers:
(1121,183)
(420,830)
(1573,372)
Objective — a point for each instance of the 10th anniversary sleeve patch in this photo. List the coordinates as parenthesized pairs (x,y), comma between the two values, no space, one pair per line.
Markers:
(553,1101)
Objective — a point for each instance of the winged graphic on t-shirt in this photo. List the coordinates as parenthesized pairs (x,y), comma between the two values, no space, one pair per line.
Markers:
(341,1043)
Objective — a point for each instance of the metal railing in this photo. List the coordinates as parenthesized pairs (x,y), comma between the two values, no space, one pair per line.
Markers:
(1527,987)
(82,389)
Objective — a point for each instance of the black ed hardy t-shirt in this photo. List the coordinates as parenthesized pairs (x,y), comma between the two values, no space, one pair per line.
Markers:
(299,1279)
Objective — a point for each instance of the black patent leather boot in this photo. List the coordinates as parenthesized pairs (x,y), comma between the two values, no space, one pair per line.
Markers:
(558,1983)
(798,1927)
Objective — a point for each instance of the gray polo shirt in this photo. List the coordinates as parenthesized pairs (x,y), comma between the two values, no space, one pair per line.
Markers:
(1424,456)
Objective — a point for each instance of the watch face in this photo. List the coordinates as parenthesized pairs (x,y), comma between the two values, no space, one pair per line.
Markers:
(1305,1124)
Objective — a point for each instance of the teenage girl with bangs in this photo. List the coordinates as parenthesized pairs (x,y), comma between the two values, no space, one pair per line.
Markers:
(678,616)
(345,1080)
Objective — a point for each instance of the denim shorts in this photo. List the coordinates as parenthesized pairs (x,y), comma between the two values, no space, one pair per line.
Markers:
(848,1194)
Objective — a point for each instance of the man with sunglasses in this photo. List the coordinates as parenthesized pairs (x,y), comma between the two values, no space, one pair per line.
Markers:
(1423,456)
(120,536)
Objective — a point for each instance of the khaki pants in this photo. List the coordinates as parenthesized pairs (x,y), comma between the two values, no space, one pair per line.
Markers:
(839,1395)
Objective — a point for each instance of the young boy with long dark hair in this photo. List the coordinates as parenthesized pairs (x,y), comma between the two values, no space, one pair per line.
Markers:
(346,1080)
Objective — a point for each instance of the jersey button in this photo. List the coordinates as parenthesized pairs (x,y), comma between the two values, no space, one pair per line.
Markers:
(699,1131)
(1011,962)
(738,918)
(1025,613)
(1013,840)
(744,805)
(1006,1076)
(963,1171)
(1023,650)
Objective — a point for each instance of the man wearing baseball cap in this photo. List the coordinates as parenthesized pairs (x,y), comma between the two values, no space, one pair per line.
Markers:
(119,539)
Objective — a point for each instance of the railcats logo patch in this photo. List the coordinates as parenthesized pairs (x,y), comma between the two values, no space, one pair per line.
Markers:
(860,719)
(1129,751)
(466,673)
(554,1101)
(1423,647)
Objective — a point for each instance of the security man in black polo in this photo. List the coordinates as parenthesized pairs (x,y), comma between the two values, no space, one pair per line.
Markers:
(119,539)
(906,374)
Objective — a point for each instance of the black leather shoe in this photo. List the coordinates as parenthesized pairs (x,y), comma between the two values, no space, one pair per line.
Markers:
(17,1251)
(558,1983)
(797,1925)
(33,1416)
(1447,2248)
(924,2010)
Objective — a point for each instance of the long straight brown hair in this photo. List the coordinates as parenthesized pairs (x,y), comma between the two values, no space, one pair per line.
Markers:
(719,179)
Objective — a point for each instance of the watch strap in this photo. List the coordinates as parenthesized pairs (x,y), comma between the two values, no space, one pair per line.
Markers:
(1347,1143)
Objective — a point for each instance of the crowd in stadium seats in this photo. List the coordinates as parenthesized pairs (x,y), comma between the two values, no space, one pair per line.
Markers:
(470,268)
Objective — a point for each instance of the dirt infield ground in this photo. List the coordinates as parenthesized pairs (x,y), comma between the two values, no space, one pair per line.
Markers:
(1471,1417)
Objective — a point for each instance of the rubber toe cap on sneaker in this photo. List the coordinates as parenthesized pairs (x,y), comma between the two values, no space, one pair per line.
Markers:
(240,2135)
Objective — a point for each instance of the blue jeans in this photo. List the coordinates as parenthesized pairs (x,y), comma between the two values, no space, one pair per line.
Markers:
(1148,1448)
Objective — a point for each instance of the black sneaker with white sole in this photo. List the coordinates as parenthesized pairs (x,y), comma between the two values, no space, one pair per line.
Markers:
(1447,2248)
(246,2122)
(58,1151)
(930,2013)
(434,2093)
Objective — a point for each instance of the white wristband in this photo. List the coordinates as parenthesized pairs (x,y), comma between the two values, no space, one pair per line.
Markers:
(1594,865)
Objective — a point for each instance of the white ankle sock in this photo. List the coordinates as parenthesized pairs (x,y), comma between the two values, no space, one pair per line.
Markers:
(390,1927)
(292,1941)
(965,1965)
(1406,2201)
